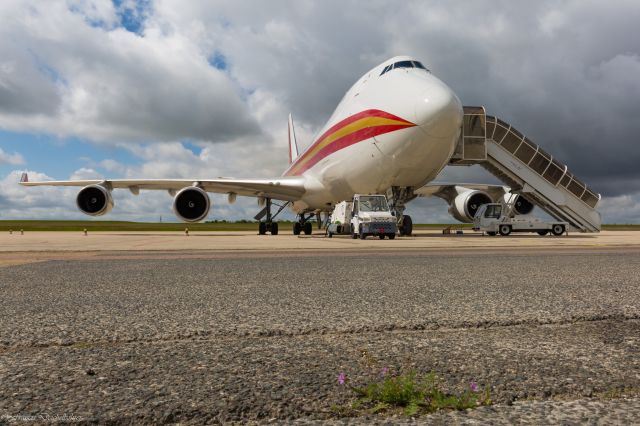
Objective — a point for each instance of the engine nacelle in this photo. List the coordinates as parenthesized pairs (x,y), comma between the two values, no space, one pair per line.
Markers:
(94,200)
(521,205)
(191,204)
(466,204)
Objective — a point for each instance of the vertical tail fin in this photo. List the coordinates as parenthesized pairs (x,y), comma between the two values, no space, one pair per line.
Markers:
(24,178)
(293,145)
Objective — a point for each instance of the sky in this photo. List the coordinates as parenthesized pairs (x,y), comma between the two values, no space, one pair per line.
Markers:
(175,89)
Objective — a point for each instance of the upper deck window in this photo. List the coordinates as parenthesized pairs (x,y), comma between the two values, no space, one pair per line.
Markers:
(403,64)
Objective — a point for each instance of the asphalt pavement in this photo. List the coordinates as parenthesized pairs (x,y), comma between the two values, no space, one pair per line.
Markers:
(126,338)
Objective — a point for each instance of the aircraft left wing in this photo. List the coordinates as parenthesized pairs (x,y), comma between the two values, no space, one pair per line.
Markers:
(282,188)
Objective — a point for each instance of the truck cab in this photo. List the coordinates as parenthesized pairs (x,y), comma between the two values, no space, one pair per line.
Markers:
(371,216)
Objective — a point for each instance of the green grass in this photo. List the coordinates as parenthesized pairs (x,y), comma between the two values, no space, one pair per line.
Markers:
(415,394)
(115,226)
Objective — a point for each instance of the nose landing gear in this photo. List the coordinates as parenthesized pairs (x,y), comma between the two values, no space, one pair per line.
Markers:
(398,197)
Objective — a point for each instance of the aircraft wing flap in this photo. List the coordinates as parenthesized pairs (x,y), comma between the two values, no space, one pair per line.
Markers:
(282,188)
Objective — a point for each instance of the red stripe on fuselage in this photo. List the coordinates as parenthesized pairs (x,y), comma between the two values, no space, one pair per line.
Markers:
(329,150)
(346,141)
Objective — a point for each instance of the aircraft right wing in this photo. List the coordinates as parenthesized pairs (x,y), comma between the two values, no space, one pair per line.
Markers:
(449,191)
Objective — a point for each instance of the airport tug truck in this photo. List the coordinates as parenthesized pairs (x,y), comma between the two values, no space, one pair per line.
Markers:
(363,216)
(495,218)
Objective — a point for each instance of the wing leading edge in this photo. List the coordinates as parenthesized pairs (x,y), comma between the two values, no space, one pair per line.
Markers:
(449,191)
(282,188)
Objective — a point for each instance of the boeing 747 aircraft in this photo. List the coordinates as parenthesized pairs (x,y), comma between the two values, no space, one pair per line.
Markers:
(393,132)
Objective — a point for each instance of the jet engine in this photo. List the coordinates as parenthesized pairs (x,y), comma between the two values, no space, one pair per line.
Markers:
(191,204)
(521,205)
(466,204)
(94,200)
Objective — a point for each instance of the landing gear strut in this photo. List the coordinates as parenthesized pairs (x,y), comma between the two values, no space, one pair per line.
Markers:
(268,225)
(398,197)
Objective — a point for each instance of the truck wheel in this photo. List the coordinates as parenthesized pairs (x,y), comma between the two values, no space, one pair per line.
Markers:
(543,233)
(354,235)
(504,230)
(307,228)
(381,236)
(491,233)
(297,228)
(330,234)
(557,230)
(392,236)
(362,235)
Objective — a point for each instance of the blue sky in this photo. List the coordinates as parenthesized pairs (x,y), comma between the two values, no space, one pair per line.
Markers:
(58,158)
(181,89)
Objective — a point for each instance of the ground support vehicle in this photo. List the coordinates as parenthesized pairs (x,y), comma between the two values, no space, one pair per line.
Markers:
(495,218)
(363,216)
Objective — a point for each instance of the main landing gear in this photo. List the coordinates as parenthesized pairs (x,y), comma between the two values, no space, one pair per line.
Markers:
(268,225)
(303,224)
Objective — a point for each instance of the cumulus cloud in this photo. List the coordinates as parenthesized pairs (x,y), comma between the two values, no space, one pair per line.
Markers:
(13,159)
(67,69)
(147,77)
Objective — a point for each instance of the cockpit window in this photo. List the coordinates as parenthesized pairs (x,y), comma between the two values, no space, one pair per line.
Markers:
(403,64)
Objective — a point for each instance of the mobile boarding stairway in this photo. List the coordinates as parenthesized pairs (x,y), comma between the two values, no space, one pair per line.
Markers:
(527,169)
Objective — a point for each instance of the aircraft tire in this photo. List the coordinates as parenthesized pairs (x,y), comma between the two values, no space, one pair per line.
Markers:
(407,225)
(307,228)
(274,228)
(262,228)
(297,228)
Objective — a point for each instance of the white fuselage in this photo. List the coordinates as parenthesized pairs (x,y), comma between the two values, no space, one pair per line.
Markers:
(396,129)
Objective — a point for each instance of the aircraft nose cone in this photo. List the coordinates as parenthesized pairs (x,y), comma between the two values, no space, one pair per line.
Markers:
(439,111)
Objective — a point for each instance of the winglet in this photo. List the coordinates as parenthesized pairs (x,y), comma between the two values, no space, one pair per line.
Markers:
(24,178)
(293,145)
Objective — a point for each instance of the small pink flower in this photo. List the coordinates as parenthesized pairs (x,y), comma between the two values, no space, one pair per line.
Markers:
(342,378)
(385,370)
(473,386)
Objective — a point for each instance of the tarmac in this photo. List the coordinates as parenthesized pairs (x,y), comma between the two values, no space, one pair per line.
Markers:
(151,328)
(243,241)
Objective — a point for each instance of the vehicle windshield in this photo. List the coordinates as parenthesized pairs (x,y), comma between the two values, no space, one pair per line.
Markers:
(373,204)
(493,212)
